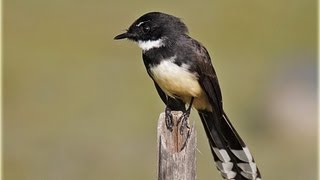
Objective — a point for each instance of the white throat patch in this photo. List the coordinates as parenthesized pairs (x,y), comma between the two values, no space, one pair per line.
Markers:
(150,44)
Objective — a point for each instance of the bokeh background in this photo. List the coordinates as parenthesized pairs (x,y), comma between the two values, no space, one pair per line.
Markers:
(79,105)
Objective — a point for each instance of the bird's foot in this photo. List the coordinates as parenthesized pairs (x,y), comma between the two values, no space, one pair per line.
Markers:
(184,122)
(187,139)
(169,119)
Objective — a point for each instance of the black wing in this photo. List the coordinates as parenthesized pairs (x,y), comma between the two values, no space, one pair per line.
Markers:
(232,157)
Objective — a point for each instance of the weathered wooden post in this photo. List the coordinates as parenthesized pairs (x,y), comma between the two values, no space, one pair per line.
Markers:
(176,150)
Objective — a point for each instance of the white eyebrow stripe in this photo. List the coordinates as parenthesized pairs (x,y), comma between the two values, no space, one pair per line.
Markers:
(140,23)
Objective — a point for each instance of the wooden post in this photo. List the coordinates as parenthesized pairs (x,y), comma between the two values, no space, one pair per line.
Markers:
(176,151)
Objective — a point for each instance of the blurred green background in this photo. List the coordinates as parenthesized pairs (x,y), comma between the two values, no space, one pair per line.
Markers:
(79,105)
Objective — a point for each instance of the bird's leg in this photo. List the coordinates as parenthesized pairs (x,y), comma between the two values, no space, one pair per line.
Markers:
(184,117)
(168,118)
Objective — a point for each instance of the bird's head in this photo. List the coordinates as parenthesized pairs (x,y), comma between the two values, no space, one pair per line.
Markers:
(153,29)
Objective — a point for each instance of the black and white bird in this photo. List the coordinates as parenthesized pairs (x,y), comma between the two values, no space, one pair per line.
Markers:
(182,72)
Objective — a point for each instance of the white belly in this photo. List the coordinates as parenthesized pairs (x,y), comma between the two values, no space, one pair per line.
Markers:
(177,81)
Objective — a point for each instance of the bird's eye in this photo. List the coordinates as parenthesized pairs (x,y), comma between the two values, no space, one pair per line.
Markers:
(145,28)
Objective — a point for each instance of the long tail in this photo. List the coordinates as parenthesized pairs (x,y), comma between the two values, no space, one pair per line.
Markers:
(233,159)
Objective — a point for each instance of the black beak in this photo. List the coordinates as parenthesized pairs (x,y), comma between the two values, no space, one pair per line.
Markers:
(122,36)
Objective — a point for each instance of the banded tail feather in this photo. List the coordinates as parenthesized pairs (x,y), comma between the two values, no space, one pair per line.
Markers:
(233,158)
